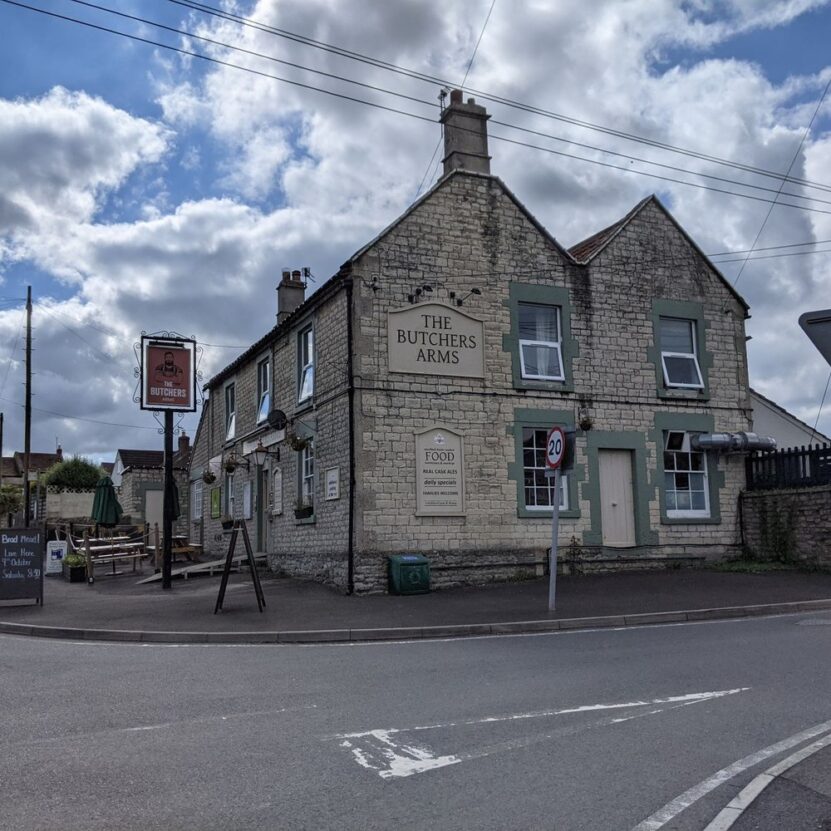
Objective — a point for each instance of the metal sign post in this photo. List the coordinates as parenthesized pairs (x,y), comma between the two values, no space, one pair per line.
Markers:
(554,450)
(168,384)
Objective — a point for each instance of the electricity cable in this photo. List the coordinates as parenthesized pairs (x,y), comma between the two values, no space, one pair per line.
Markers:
(384,90)
(387,108)
(421,76)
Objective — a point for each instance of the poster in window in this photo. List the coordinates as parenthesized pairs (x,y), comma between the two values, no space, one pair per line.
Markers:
(216,503)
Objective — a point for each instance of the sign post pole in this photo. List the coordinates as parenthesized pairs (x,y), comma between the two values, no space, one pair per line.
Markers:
(167,501)
(555,529)
(555,448)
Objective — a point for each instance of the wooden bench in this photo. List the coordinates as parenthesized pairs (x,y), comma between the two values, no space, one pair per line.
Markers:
(112,550)
(179,547)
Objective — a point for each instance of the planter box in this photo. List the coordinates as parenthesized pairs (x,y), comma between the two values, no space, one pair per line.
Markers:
(75,574)
(305,512)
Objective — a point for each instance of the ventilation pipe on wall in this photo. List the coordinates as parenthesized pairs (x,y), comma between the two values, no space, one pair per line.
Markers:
(732,442)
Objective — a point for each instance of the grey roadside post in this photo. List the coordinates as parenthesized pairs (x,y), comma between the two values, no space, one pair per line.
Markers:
(555,530)
(555,447)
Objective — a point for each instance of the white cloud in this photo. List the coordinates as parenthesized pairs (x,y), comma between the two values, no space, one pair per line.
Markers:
(305,179)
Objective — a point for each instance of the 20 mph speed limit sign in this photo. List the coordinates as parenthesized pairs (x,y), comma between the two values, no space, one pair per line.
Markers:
(555,447)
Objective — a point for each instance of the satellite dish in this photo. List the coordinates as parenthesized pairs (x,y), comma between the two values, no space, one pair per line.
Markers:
(277,419)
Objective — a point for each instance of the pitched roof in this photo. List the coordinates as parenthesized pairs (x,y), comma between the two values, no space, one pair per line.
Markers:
(589,248)
(820,437)
(38,462)
(141,458)
(9,467)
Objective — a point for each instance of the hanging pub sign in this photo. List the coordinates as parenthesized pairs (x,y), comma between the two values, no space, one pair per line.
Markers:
(168,374)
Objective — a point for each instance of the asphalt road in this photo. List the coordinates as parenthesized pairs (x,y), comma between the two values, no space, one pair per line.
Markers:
(580,731)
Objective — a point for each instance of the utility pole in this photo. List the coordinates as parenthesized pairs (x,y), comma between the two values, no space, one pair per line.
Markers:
(27,439)
(1,449)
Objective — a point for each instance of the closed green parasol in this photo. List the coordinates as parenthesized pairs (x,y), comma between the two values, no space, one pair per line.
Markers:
(106,509)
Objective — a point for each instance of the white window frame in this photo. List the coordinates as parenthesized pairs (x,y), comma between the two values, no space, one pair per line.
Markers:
(230,413)
(196,496)
(306,471)
(684,513)
(557,345)
(305,362)
(693,356)
(542,434)
(263,388)
(229,495)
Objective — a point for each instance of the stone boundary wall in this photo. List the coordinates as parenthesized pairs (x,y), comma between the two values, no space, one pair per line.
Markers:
(792,524)
(68,504)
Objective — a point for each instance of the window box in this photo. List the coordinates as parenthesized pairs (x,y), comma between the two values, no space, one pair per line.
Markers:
(304,511)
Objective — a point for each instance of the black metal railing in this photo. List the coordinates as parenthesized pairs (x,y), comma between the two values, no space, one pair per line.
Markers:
(794,467)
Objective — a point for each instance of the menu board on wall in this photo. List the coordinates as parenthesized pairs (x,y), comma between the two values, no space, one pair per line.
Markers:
(21,564)
(439,473)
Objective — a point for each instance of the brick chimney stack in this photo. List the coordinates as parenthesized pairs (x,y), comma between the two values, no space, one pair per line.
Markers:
(290,293)
(184,443)
(59,453)
(465,135)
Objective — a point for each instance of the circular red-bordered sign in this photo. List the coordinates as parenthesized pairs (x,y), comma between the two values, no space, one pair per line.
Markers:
(555,447)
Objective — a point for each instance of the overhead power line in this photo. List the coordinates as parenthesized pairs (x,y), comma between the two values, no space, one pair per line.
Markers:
(386,91)
(81,418)
(406,113)
(432,79)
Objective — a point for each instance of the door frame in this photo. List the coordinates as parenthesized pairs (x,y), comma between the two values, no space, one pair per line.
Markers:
(643,489)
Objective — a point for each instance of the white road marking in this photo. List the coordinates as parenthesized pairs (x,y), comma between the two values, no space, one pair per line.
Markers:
(736,807)
(671,810)
(583,708)
(377,750)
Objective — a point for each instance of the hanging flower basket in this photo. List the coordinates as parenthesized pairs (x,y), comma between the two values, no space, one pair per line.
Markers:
(227,522)
(208,476)
(298,443)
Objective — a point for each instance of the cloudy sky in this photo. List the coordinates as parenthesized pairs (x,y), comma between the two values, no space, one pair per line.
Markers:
(143,188)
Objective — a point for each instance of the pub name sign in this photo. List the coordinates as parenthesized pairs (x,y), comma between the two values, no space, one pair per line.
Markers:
(168,374)
(434,339)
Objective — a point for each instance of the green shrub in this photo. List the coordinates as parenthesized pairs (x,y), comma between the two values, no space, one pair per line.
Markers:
(76,473)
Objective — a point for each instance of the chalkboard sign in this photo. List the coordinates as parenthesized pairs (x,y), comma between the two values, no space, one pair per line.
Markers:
(21,564)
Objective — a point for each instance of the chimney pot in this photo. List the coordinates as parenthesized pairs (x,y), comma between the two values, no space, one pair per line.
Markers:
(455,96)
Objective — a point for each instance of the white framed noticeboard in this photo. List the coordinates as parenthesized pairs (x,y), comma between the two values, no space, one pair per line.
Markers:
(332,480)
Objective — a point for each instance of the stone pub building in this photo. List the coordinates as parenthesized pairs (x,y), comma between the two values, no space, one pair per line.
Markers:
(420,381)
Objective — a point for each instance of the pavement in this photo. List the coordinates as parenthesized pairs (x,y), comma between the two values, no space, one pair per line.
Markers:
(119,609)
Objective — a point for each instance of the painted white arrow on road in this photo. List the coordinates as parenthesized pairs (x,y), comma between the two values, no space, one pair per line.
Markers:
(393,753)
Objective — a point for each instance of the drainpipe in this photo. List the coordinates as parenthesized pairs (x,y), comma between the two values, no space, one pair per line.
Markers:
(350,561)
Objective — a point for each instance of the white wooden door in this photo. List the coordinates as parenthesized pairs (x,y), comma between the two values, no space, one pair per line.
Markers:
(154,509)
(617,504)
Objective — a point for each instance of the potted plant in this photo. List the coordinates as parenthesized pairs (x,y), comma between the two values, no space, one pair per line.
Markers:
(303,509)
(230,464)
(208,476)
(296,442)
(227,521)
(75,568)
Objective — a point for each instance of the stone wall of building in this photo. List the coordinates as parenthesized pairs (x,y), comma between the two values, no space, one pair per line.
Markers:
(313,547)
(135,482)
(790,525)
(470,233)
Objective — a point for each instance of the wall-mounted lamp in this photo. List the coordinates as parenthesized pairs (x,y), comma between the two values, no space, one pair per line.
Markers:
(416,293)
(460,300)
(260,454)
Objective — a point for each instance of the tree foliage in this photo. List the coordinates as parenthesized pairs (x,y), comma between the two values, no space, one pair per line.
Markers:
(76,473)
(11,499)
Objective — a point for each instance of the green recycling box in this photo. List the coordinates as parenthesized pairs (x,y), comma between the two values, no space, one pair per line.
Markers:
(409,574)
